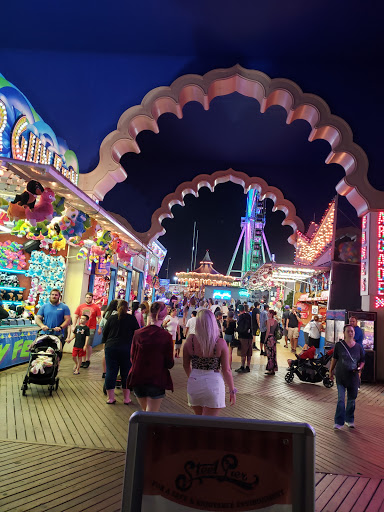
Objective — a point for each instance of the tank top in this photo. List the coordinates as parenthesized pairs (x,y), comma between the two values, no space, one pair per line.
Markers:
(205,363)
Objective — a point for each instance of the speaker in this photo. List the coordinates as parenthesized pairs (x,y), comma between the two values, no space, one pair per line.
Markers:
(369,371)
(31,245)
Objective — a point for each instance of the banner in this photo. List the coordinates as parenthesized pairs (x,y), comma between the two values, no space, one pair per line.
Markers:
(14,346)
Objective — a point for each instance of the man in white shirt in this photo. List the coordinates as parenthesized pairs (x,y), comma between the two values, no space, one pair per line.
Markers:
(191,324)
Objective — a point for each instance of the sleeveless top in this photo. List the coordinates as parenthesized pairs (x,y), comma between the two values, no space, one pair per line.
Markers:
(205,363)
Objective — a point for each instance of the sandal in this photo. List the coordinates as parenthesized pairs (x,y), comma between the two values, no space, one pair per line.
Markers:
(111,403)
(128,403)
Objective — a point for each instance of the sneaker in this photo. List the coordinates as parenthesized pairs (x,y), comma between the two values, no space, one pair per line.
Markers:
(83,364)
(247,369)
(86,364)
(103,376)
(256,348)
(350,424)
(240,370)
(337,427)
(285,346)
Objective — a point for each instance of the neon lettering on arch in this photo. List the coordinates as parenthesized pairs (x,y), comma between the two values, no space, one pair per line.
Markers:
(3,122)
(25,136)
(379,300)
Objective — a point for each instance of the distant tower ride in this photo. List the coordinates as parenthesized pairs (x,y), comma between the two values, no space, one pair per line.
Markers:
(253,236)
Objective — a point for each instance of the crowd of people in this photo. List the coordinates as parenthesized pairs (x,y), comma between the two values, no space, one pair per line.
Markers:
(142,341)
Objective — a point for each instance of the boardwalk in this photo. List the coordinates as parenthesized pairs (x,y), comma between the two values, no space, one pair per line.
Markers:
(66,452)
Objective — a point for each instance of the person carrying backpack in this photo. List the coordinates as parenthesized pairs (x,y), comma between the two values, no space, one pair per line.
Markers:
(244,330)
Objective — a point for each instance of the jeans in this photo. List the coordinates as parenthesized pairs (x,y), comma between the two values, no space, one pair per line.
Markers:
(345,414)
(117,357)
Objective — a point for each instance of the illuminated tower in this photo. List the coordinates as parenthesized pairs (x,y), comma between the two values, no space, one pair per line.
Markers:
(253,236)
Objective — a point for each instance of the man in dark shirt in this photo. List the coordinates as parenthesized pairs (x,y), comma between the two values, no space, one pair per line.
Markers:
(255,323)
(287,312)
(244,329)
(293,328)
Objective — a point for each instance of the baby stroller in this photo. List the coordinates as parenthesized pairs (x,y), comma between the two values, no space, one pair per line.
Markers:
(43,365)
(311,370)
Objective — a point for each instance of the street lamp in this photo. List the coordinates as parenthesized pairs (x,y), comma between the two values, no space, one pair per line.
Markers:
(175,279)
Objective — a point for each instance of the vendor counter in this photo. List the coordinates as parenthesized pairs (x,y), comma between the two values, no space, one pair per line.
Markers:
(15,338)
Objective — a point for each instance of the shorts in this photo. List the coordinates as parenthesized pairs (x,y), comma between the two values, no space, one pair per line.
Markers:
(293,332)
(206,388)
(285,332)
(313,342)
(228,338)
(76,351)
(92,333)
(245,347)
(148,391)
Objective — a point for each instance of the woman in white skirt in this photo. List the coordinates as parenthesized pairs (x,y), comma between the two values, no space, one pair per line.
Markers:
(203,354)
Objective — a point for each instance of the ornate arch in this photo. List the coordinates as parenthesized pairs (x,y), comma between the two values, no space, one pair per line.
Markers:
(210,181)
(255,84)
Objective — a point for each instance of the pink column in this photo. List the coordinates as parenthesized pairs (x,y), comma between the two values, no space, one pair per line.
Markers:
(372,277)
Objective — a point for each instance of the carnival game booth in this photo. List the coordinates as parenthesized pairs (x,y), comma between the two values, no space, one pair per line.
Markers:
(307,285)
(52,234)
(204,275)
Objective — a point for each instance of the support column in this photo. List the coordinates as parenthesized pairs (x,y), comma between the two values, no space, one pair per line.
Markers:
(372,278)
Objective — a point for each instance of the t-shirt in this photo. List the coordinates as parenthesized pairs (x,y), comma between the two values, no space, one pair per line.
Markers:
(314,330)
(286,316)
(53,314)
(263,320)
(348,359)
(92,310)
(230,327)
(293,321)
(359,336)
(255,324)
(214,307)
(172,325)
(224,310)
(80,332)
(191,325)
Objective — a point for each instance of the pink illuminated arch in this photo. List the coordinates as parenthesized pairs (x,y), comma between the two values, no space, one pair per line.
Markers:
(210,181)
(255,84)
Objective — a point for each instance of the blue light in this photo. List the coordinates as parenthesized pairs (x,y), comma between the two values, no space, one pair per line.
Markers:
(11,271)
(222,295)
(243,293)
(11,288)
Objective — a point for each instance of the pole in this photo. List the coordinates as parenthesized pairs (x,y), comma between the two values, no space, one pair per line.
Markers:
(168,268)
(235,252)
(197,242)
(193,244)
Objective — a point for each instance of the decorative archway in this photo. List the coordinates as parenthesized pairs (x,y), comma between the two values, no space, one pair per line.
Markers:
(255,84)
(210,181)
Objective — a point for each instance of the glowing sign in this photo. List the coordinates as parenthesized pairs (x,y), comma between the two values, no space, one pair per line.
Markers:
(222,295)
(379,302)
(25,136)
(364,255)
(243,293)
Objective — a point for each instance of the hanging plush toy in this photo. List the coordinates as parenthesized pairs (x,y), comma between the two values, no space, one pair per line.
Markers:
(28,197)
(43,209)
(58,240)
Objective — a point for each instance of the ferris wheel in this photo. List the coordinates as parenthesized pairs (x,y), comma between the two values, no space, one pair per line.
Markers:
(252,235)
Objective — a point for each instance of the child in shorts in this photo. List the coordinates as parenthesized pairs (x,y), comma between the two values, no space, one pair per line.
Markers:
(81,336)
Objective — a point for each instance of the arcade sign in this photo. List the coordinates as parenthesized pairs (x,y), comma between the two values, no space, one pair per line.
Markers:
(25,136)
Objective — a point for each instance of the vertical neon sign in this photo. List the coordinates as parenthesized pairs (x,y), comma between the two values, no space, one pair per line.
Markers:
(379,301)
(364,256)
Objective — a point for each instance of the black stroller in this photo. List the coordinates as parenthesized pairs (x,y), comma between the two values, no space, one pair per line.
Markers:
(311,370)
(43,366)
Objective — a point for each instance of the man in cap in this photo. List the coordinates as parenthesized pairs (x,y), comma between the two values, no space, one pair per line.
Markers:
(293,327)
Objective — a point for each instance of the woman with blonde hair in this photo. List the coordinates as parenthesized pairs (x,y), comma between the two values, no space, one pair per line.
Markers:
(204,352)
(152,357)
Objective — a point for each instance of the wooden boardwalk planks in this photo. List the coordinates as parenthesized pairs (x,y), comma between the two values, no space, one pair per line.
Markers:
(75,435)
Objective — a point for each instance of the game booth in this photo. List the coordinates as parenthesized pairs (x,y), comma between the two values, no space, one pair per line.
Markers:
(52,234)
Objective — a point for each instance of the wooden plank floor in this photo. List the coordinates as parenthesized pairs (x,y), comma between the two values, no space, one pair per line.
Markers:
(75,435)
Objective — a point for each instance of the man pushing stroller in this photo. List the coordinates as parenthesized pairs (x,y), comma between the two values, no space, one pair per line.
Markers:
(54,315)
